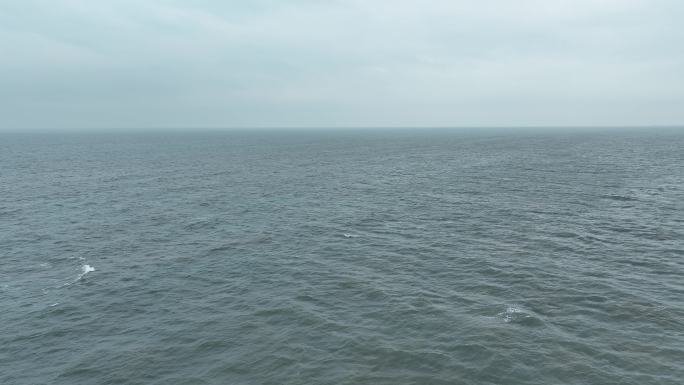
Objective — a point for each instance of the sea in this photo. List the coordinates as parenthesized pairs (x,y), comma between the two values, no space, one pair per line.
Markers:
(378,256)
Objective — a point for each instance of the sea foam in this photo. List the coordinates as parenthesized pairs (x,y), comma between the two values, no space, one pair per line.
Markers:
(85,269)
(511,313)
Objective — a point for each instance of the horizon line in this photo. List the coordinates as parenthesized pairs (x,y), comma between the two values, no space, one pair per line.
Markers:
(309,128)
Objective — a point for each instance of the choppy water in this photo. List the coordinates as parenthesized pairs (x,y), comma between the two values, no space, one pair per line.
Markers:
(387,257)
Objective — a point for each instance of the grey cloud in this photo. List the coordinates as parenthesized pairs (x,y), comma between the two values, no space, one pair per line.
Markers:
(98,64)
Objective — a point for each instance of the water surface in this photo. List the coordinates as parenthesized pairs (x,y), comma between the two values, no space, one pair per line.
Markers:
(358,257)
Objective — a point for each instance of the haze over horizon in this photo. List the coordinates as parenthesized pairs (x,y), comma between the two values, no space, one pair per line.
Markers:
(76,64)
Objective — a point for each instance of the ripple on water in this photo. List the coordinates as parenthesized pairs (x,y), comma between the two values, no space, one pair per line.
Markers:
(342,259)
(514,314)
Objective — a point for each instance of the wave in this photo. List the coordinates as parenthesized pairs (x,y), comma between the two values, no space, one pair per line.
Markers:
(85,269)
(517,315)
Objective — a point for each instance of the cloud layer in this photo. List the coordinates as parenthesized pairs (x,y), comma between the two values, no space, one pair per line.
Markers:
(307,63)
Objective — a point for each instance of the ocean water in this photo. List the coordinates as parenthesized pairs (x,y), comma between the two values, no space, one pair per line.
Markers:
(343,257)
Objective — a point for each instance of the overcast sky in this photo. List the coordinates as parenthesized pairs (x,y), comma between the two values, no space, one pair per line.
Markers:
(92,64)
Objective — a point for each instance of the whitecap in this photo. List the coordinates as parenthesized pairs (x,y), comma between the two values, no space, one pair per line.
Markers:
(511,313)
(85,269)
(518,315)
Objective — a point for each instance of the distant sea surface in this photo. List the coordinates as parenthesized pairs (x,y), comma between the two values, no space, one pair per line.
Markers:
(343,257)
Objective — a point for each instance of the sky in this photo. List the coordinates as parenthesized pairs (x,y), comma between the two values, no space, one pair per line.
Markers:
(127,64)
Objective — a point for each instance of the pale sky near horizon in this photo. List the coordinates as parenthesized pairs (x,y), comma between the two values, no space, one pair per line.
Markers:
(94,64)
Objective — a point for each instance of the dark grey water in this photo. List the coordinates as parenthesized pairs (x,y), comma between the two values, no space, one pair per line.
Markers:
(387,257)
